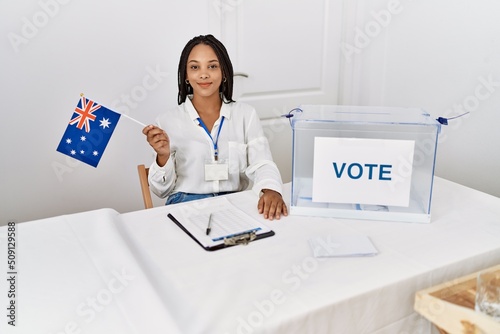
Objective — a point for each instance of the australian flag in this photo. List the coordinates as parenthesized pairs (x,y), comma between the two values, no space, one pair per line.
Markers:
(88,132)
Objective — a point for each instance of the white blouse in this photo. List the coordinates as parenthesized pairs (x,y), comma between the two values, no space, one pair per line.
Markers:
(241,144)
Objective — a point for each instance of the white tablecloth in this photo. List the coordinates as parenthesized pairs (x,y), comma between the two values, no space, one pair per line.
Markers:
(69,265)
(76,274)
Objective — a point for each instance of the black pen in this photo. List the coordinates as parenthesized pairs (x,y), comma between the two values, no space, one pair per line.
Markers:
(209,227)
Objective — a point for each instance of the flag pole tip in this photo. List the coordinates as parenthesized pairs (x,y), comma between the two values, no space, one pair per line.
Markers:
(81,94)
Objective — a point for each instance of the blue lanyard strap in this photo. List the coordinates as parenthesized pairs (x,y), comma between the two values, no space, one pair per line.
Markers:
(216,148)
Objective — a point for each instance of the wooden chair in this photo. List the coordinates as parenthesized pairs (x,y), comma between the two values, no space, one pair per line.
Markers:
(143,179)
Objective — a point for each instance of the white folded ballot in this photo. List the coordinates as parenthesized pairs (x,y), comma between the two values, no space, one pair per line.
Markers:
(342,246)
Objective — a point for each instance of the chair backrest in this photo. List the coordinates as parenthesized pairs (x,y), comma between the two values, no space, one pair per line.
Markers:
(143,179)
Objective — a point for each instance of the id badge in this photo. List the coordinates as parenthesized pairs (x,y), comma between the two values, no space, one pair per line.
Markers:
(215,171)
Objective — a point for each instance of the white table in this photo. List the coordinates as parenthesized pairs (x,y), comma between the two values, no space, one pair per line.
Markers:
(102,272)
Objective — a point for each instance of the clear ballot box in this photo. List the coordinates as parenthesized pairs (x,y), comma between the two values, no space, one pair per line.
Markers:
(363,162)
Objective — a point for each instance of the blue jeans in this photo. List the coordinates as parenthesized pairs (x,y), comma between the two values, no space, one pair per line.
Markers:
(186,197)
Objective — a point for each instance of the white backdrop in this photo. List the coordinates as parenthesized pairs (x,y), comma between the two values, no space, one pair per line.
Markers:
(124,54)
(442,56)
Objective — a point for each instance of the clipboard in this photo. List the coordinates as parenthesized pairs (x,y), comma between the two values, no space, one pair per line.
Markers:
(230,226)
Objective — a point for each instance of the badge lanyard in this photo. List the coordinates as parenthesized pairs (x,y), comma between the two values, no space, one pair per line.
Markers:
(216,148)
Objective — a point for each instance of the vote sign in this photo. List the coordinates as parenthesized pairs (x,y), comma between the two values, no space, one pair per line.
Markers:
(362,171)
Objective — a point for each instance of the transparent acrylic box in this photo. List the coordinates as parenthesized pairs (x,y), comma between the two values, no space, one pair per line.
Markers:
(317,123)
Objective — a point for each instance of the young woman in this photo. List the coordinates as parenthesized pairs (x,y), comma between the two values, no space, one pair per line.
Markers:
(211,145)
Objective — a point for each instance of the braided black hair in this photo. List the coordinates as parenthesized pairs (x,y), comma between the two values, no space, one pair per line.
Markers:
(226,88)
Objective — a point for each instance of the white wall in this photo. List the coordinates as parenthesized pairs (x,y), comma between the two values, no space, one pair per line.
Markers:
(442,56)
(111,51)
(431,54)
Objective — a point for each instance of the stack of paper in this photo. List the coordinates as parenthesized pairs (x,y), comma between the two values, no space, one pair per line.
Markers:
(337,246)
